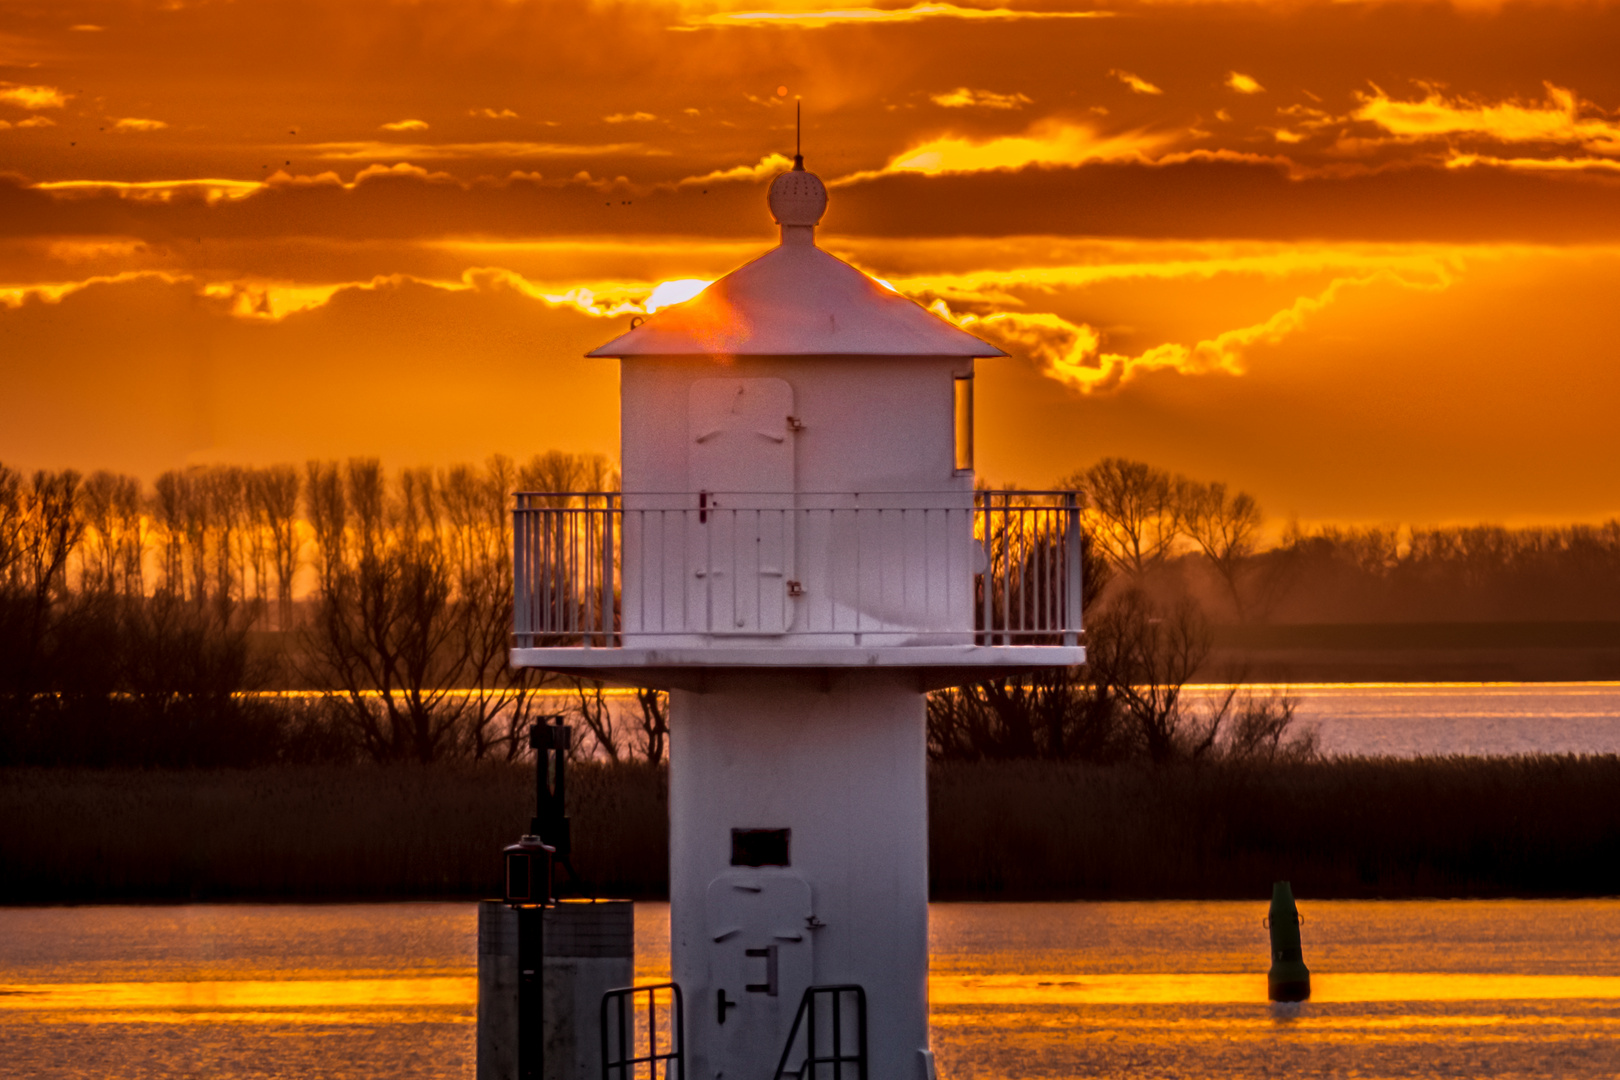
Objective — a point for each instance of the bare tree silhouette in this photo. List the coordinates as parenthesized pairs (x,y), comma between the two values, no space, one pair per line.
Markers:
(52,528)
(181,509)
(591,705)
(1145,654)
(113,553)
(1136,519)
(381,613)
(42,526)
(476,540)
(652,734)
(277,495)
(413,609)
(1225,527)
(224,491)
(12,519)
(559,471)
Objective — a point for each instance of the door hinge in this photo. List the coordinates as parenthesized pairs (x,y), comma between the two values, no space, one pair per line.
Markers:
(795,588)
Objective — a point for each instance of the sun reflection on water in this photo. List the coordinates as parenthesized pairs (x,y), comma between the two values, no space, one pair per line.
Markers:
(1249,988)
(162,1002)
(1019,991)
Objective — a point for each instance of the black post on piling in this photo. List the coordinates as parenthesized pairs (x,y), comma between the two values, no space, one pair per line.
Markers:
(531,993)
(530,888)
(550,743)
(529,892)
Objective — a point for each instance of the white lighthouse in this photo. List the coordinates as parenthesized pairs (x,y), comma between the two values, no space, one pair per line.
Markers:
(798,555)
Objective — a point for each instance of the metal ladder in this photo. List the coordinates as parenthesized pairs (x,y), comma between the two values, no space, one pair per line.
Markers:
(834,1031)
(621,1034)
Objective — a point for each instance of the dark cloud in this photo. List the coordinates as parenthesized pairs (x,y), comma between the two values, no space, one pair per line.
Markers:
(1193,199)
(388,206)
(1225,199)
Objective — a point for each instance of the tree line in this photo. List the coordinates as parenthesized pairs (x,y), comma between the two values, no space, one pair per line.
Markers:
(1170,534)
(339,611)
(176,624)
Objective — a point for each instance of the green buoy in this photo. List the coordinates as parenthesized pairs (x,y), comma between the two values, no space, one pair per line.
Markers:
(1289,979)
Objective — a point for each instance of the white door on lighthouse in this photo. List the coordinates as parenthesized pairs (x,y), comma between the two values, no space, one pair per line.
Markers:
(741,542)
(761,960)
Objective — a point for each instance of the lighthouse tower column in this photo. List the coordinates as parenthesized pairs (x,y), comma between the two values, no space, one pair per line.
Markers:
(798,554)
(812,789)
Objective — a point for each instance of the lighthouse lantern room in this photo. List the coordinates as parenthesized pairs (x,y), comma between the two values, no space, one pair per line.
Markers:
(798,555)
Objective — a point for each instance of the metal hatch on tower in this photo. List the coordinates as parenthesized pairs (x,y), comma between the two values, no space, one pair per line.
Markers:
(761,958)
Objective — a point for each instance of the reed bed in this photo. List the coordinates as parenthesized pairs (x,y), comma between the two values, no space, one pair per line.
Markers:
(312,832)
(1337,827)
(1531,826)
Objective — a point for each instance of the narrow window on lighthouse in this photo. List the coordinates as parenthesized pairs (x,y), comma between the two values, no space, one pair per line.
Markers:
(964,423)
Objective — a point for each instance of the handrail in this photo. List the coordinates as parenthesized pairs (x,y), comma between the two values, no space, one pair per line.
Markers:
(1053,493)
(836,1058)
(591,569)
(619,1062)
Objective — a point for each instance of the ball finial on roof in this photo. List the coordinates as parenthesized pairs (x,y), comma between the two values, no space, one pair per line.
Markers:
(798,197)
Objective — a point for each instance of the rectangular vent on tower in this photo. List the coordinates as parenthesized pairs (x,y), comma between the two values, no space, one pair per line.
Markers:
(760,847)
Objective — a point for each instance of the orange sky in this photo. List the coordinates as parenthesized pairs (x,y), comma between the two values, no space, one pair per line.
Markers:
(1361,259)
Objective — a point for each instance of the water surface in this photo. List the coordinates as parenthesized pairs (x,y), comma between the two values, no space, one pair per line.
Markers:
(1402,989)
(1412,719)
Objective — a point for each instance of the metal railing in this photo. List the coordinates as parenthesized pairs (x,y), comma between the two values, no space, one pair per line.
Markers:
(605,569)
(826,1029)
(626,1027)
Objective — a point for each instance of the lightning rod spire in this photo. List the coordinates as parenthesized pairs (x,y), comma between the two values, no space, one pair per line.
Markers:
(798,135)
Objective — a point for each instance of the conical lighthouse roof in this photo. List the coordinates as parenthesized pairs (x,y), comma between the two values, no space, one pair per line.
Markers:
(797,300)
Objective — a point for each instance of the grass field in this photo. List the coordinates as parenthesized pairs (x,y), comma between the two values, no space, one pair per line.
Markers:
(1339,828)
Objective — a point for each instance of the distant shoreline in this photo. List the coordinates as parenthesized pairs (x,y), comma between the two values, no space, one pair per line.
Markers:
(1514,651)
(1408,652)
